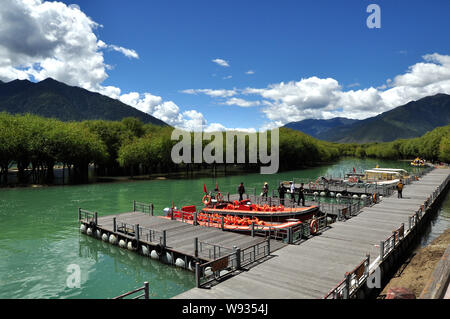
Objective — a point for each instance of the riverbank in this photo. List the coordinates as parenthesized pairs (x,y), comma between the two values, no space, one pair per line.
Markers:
(416,271)
(209,172)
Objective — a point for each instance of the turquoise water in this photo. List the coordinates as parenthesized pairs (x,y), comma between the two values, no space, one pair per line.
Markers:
(439,223)
(40,237)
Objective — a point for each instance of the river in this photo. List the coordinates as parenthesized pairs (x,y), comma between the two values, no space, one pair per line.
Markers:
(40,237)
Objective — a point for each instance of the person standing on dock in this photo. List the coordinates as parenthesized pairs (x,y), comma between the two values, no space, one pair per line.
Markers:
(400,189)
(281,192)
(265,190)
(292,190)
(301,195)
(241,191)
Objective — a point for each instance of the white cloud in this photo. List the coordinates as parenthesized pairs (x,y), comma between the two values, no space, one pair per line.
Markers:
(211,92)
(41,39)
(241,102)
(250,72)
(127,52)
(221,62)
(324,98)
(227,77)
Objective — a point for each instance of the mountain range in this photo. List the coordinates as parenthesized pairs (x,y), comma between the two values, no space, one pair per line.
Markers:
(50,98)
(407,121)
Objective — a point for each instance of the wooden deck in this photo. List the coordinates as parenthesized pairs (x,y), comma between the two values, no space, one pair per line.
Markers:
(313,268)
(180,236)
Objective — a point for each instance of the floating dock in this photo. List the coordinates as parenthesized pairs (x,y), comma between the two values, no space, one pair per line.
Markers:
(171,241)
(348,260)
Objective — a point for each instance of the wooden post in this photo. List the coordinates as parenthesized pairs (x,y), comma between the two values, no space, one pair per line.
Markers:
(95,218)
(366,269)
(381,250)
(137,234)
(114,224)
(289,235)
(195,219)
(134,205)
(222,222)
(151,208)
(253,230)
(146,290)
(197,274)
(238,258)
(268,246)
(347,286)
(171,213)
(196,246)
(164,238)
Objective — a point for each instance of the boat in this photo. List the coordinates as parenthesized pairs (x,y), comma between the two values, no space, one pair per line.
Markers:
(385,176)
(418,162)
(242,215)
(354,178)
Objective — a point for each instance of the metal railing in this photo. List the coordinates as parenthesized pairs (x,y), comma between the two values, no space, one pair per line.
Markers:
(350,284)
(388,245)
(141,233)
(225,266)
(254,253)
(210,251)
(142,207)
(153,236)
(144,295)
(87,216)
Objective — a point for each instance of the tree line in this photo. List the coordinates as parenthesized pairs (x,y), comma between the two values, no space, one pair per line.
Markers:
(35,145)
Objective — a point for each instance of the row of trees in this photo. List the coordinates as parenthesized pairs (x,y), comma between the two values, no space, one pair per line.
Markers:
(433,146)
(36,144)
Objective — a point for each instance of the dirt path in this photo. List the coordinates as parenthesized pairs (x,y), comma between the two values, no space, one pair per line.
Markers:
(417,272)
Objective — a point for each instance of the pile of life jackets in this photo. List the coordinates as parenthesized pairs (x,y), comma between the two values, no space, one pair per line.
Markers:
(183,215)
(228,220)
(242,221)
(254,207)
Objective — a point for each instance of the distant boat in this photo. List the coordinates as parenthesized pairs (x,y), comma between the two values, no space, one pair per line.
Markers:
(418,162)
(385,176)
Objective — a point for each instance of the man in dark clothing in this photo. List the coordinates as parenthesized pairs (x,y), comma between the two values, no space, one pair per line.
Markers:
(241,191)
(301,195)
(281,192)
(400,189)
(265,190)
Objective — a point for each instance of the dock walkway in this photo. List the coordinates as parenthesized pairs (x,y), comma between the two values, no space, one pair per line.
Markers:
(181,236)
(313,268)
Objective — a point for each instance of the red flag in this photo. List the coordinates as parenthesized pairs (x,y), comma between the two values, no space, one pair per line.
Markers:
(204,188)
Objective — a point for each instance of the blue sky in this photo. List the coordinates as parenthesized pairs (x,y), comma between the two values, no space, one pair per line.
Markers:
(325,43)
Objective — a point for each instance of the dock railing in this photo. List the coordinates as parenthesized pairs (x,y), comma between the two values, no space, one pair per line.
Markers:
(225,266)
(142,207)
(153,236)
(87,216)
(210,251)
(141,233)
(353,280)
(144,295)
